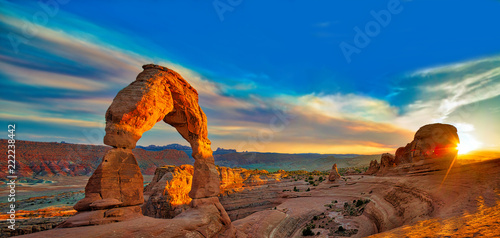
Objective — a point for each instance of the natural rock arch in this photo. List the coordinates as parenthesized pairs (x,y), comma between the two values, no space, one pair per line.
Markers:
(162,94)
(115,190)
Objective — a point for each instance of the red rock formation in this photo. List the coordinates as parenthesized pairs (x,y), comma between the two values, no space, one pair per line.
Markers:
(161,94)
(334,174)
(167,194)
(231,179)
(431,141)
(434,146)
(157,94)
(373,168)
(117,179)
(387,160)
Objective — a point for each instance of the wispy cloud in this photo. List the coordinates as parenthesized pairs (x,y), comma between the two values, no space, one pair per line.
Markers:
(46,79)
(326,24)
(51,120)
(73,75)
(347,106)
(107,62)
(447,89)
(323,24)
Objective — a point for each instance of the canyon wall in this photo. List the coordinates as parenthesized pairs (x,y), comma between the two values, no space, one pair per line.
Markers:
(63,159)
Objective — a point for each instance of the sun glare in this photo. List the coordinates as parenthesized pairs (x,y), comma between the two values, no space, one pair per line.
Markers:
(467,144)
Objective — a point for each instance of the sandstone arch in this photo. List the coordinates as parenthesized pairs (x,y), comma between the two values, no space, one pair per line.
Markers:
(158,93)
(162,94)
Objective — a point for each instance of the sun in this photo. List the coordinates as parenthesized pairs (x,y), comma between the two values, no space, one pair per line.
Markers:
(464,148)
(467,144)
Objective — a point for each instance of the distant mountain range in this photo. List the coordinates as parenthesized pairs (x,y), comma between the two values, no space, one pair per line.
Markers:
(184,148)
(276,161)
(65,159)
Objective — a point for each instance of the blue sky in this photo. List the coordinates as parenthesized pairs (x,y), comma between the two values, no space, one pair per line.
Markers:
(272,76)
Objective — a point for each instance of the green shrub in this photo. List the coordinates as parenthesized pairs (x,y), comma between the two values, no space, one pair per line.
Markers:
(307,232)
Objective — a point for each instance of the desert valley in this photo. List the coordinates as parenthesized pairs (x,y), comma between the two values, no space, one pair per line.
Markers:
(288,202)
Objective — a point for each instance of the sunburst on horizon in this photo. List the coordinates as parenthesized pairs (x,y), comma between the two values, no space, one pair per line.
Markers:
(467,143)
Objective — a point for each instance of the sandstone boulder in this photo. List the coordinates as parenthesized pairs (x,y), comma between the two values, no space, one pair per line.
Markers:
(432,141)
(167,194)
(433,148)
(118,178)
(334,174)
(168,191)
(105,204)
(101,217)
(387,160)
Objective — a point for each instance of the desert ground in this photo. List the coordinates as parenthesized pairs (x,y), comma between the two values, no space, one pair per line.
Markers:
(466,204)
(44,202)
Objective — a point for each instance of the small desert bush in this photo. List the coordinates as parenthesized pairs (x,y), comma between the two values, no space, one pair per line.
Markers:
(307,232)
